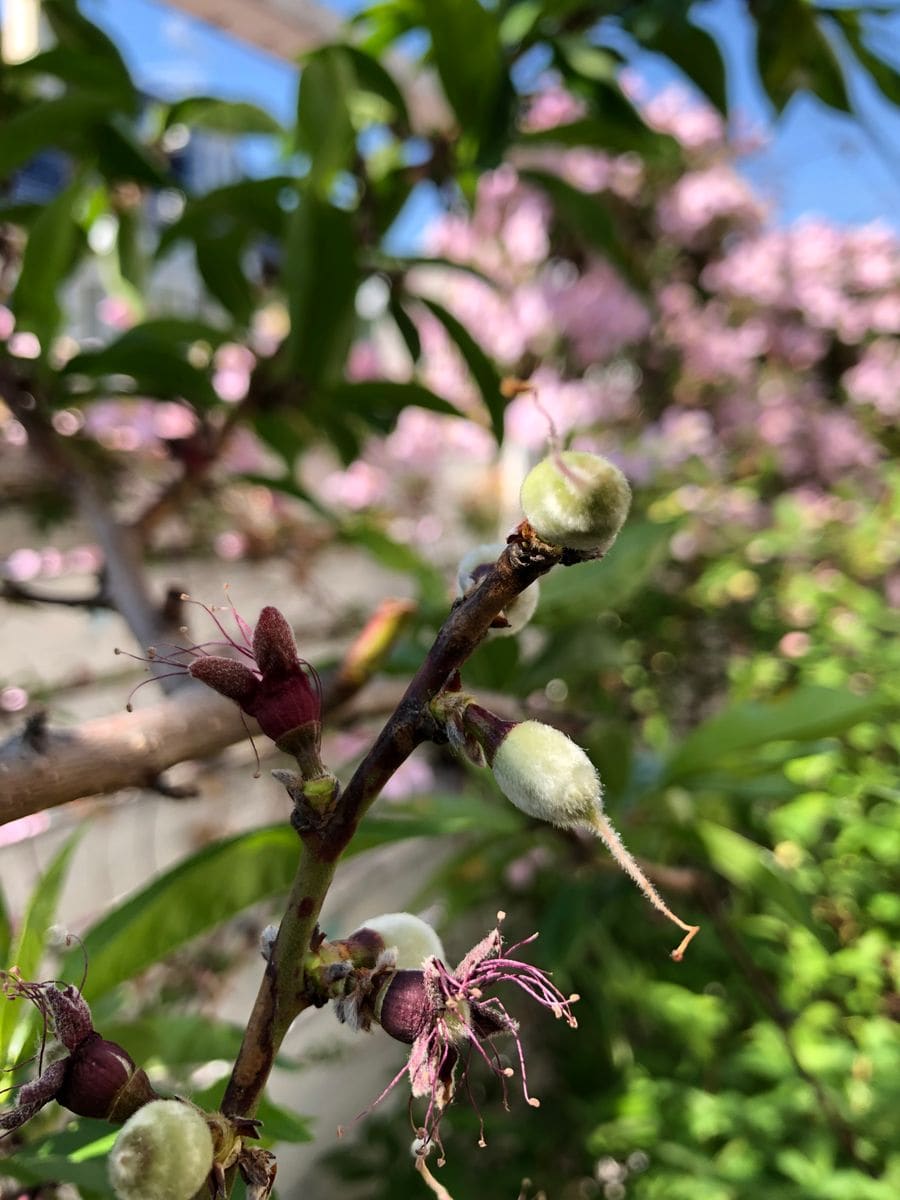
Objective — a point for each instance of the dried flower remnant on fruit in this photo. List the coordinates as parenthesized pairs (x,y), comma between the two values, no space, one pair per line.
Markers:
(97,1078)
(163,1152)
(268,680)
(447,1016)
(576,500)
(546,775)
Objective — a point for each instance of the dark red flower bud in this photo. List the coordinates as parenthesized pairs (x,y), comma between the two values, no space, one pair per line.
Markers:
(284,703)
(403,1008)
(101,1080)
(274,647)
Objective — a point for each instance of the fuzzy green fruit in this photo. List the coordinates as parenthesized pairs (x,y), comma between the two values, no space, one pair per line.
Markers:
(413,938)
(576,500)
(163,1152)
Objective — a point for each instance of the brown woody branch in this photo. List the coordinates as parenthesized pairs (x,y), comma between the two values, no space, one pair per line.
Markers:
(133,749)
(281,995)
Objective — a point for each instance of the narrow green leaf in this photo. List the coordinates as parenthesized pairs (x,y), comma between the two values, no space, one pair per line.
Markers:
(207,888)
(28,947)
(62,122)
(807,713)
(321,276)
(693,51)
(80,69)
(885,77)
(379,402)
(120,156)
(468,53)
(50,254)
(222,116)
(220,263)
(5,930)
(748,865)
(324,128)
(251,204)
(74,32)
(149,357)
(406,327)
(179,1039)
(485,374)
(794,55)
(372,77)
(589,215)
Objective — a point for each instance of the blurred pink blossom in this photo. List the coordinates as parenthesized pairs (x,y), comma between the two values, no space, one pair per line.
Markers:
(117,312)
(598,313)
(875,379)
(7,323)
(552,106)
(696,125)
(700,198)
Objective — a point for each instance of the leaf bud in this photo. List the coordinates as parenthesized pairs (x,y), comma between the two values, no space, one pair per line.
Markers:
(576,500)
(472,569)
(163,1152)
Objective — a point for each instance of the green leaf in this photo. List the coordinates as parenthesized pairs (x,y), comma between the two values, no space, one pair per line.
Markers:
(485,374)
(807,713)
(62,122)
(74,32)
(50,254)
(80,69)
(396,556)
(578,593)
(5,930)
(207,888)
(179,1039)
(468,53)
(589,215)
(157,365)
(794,55)
(28,947)
(406,327)
(321,276)
(690,48)
(324,128)
(220,261)
(604,132)
(120,156)
(372,77)
(250,205)
(379,402)
(885,77)
(222,116)
(748,865)
(89,1177)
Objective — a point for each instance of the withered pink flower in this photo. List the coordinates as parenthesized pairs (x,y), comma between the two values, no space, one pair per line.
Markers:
(446,1016)
(97,1078)
(268,680)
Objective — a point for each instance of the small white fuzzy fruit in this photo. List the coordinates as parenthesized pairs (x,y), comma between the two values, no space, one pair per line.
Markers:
(576,500)
(469,574)
(163,1152)
(413,938)
(546,775)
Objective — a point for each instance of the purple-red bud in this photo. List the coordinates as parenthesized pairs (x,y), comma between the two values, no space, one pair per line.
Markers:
(227,677)
(101,1080)
(403,1007)
(274,647)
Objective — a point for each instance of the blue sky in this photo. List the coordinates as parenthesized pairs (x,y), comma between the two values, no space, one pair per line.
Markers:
(816,162)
